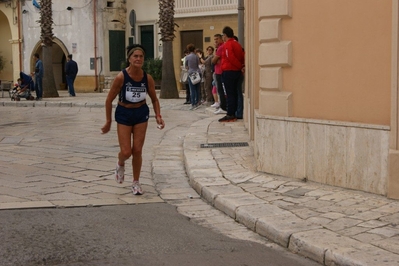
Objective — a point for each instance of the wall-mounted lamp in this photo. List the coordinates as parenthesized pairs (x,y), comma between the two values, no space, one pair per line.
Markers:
(69,8)
(24,11)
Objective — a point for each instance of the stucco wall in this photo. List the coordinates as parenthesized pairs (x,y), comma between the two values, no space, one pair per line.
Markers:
(341,59)
(5,48)
(325,91)
(9,43)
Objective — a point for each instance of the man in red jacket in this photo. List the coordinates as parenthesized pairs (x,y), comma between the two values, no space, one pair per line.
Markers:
(232,67)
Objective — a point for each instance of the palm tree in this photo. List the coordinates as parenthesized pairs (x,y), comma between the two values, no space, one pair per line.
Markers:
(46,37)
(167,27)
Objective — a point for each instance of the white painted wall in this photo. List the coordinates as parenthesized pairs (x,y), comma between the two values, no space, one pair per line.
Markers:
(146,14)
(72,28)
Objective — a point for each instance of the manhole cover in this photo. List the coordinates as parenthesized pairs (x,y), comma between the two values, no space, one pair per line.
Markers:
(224,145)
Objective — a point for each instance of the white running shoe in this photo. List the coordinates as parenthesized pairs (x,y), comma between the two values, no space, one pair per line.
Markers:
(119,173)
(136,188)
(215,105)
(220,111)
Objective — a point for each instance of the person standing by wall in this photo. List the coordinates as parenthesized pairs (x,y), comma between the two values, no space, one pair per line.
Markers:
(208,75)
(132,113)
(71,70)
(39,71)
(186,86)
(232,67)
(217,61)
(192,64)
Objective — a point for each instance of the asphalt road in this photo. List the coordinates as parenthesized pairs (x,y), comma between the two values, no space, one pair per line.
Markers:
(144,234)
(47,152)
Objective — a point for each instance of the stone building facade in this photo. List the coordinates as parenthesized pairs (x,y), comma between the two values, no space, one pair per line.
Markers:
(323,99)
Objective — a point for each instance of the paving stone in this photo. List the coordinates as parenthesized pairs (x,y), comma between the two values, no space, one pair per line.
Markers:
(280,228)
(363,254)
(199,182)
(368,238)
(273,184)
(352,231)
(342,223)
(229,203)
(330,248)
(304,213)
(373,224)
(319,220)
(6,198)
(209,193)
(391,244)
(249,215)
(333,215)
(387,231)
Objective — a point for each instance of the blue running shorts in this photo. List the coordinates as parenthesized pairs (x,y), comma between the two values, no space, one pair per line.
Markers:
(132,116)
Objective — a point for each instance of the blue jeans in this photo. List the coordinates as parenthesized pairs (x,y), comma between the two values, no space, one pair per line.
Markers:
(39,87)
(70,82)
(195,92)
(230,80)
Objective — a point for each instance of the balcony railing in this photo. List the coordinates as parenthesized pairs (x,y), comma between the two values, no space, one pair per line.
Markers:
(190,8)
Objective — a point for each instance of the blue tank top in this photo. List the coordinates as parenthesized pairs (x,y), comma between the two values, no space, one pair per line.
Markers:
(133,91)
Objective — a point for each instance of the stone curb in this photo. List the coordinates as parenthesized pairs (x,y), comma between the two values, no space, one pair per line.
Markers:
(52,104)
(278,225)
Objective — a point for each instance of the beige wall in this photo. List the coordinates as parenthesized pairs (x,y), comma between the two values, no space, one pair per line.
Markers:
(327,91)
(341,60)
(9,44)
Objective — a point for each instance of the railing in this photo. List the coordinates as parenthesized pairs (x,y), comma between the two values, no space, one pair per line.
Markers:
(205,7)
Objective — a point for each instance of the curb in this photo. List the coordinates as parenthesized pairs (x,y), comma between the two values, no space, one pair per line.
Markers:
(276,224)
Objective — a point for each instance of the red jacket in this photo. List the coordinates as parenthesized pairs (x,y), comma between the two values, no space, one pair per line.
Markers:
(232,56)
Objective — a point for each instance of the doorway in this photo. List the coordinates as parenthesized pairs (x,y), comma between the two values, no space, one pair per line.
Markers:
(147,40)
(192,36)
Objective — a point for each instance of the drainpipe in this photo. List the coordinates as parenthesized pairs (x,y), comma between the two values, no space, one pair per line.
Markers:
(19,34)
(241,22)
(95,43)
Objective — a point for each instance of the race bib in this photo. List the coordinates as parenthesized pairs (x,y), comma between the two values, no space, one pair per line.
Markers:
(135,94)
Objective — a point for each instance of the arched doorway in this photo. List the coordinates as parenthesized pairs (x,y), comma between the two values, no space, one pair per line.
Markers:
(59,59)
(6,48)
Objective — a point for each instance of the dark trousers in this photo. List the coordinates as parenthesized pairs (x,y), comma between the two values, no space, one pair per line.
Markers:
(230,80)
(221,92)
(188,97)
(39,87)
(240,98)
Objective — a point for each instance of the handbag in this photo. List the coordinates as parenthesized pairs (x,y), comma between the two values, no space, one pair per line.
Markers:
(184,76)
(195,78)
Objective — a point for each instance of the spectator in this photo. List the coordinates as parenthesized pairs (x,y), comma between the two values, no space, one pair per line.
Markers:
(192,64)
(186,86)
(217,61)
(208,75)
(232,67)
(71,70)
(39,71)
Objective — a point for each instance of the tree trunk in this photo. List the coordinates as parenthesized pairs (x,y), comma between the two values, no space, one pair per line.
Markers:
(46,36)
(168,83)
(49,87)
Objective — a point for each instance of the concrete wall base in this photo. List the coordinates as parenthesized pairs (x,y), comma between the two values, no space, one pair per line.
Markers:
(342,154)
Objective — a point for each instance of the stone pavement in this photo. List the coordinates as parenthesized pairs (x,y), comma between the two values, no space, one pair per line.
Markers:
(330,225)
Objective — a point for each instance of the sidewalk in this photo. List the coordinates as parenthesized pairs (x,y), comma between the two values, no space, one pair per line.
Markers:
(330,225)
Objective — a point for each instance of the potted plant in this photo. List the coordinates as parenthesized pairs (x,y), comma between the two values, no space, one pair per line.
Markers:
(153,66)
